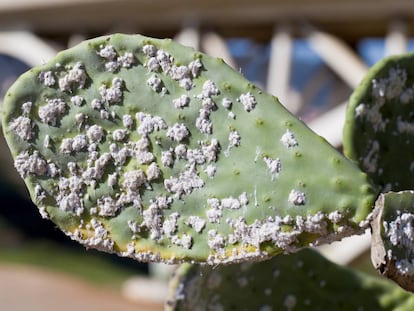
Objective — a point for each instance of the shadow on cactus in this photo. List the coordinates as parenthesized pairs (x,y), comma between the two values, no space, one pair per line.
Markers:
(151,150)
(301,281)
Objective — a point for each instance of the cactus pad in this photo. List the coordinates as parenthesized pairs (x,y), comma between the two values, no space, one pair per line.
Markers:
(301,281)
(151,150)
(379,130)
(393,237)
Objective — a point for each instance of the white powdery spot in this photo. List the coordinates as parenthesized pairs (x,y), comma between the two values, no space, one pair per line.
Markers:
(164,60)
(297,198)
(153,172)
(167,158)
(234,139)
(197,223)
(203,122)
(210,171)
(405,267)
(178,132)
(107,52)
(185,183)
(149,50)
(360,110)
(185,241)
(181,102)
(369,162)
(216,241)
(152,64)
(144,157)
(179,72)
(226,103)
(77,100)
(336,217)
(114,62)
(211,151)
(248,101)
(230,203)
(395,82)
(100,239)
(214,215)
(289,140)
(96,104)
(107,206)
(66,145)
(373,114)
(22,127)
(149,123)
(133,180)
(53,170)
(407,95)
(243,199)
(195,156)
(169,226)
(195,67)
(95,133)
(26,108)
(153,221)
(27,164)
(209,89)
(119,134)
(186,83)
(113,94)
(155,83)
(75,76)
(112,180)
(405,126)
(180,151)
(71,203)
(50,112)
(47,78)
(127,121)
(401,231)
(274,166)
(39,193)
(79,142)
(126,60)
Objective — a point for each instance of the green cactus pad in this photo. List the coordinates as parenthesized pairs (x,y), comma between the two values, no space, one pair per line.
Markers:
(149,149)
(379,129)
(392,249)
(301,281)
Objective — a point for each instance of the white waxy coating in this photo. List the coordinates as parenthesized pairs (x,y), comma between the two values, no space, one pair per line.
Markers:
(22,127)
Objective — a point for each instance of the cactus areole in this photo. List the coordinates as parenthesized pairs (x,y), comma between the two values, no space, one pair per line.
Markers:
(151,150)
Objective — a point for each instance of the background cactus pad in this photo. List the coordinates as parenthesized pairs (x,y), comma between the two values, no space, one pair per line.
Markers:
(393,237)
(301,281)
(149,149)
(379,131)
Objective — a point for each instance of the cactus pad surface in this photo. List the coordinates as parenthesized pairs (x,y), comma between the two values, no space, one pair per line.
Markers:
(301,281)
(393,237)
(379,129)
(152,150)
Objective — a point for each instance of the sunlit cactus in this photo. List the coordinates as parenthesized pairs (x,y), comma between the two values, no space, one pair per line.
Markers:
(148,149)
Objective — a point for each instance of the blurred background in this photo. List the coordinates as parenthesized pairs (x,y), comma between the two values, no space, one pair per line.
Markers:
(311,54)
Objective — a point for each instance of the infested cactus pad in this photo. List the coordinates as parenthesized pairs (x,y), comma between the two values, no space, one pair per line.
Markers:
(379,130)
(151,150)
(301,281)
(392,248)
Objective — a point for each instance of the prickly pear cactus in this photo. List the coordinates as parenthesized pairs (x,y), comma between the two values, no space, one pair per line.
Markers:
(301,281)
(151,150)
(379,130)
(393,237)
